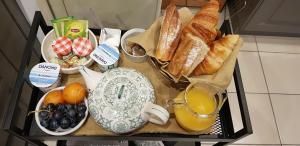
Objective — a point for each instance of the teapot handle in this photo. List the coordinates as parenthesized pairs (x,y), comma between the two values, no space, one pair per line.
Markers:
(155,114)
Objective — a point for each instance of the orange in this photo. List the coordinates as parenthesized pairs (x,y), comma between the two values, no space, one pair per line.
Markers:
(54,97)
(74,93)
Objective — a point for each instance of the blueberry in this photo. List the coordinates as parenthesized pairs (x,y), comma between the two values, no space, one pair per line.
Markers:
(72,119)
(53,125)
(75,107)
(65,123)
(82,103)
(58,115)
(44,123)
(81,108)
(73,124)
(44,114)
(50,107)
(61,107)
(69,106)
(80,116)
(71,113)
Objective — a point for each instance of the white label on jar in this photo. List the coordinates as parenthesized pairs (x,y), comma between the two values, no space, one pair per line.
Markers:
(106,56)
(44,74)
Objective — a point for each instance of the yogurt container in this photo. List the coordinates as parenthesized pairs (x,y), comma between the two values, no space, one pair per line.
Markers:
(45,76)
(106,56)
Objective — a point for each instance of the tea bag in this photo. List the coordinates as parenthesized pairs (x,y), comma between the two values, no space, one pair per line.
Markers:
(57,25)
(75,28)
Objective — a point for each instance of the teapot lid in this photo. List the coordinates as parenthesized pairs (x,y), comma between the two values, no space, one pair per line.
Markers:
(118,99)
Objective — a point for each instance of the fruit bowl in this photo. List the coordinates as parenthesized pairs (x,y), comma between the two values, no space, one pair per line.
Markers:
(58,131)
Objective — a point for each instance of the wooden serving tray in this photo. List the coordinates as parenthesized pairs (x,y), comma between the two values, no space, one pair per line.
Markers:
(163,92)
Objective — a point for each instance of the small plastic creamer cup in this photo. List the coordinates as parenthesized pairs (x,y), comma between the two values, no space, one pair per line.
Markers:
(106,56)
(45,76)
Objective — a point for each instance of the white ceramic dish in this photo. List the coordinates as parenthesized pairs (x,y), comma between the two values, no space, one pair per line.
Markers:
(130,33)
(59,130)
(48,53)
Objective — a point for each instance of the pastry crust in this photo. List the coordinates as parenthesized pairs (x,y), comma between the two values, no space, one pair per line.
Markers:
(219,52)
(169,34)
(190,53)
(203,24)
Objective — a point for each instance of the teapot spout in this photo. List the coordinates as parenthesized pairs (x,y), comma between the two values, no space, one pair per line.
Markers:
(91,77)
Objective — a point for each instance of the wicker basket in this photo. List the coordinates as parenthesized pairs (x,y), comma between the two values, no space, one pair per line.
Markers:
(180,85)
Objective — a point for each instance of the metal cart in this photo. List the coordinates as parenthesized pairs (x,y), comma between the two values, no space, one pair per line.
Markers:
(223,130)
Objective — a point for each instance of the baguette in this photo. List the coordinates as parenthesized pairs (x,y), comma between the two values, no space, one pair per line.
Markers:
(169,34)
(190,53)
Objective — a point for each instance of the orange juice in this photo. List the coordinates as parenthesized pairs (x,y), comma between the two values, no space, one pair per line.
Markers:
(198,101)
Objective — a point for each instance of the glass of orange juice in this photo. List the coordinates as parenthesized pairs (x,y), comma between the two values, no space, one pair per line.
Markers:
(197,107)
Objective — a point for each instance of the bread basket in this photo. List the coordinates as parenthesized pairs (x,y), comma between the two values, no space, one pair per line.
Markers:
(180,85)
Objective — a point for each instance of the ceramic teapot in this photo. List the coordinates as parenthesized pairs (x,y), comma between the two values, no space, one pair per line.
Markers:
(122,99)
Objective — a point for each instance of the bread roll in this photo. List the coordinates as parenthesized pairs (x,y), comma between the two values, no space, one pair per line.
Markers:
(204,22)
(169,34)
(219,52)
(190,53)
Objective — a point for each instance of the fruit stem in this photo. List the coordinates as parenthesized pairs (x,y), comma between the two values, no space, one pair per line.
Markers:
(37,111)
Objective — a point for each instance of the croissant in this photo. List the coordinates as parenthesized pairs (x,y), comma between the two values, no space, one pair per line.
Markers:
(190,53)
(204,22)
(219,52)
(169,34)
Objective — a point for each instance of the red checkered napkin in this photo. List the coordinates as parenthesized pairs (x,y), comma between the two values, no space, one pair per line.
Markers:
(82,46)
(62,46)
